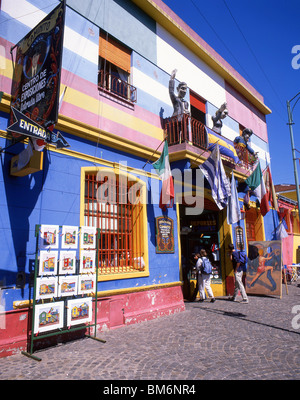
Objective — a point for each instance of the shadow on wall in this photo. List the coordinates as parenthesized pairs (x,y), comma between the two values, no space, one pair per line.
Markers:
(22,195)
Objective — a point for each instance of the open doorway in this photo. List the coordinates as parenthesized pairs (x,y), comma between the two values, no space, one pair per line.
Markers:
(199,232)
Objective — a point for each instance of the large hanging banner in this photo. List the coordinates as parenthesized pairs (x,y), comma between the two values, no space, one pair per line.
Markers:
(264,268)
(36,79)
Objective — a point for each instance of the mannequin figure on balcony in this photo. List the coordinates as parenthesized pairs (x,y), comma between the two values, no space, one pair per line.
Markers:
(243,150)
(244,139)
(221,113)
(180,105)
(179,119)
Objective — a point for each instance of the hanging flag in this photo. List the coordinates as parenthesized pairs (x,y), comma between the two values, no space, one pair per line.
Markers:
(163,169)
(213,171)
(256,183)
(270,188)
(233,208)
(280,232)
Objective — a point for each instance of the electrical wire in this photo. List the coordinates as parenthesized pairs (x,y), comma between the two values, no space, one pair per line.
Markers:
(253,53)
(246,74)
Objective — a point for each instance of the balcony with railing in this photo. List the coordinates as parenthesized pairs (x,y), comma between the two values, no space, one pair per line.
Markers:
(184,130)
(114,85)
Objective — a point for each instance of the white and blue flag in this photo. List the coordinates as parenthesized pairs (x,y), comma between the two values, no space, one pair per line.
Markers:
(233,208)
(213,171)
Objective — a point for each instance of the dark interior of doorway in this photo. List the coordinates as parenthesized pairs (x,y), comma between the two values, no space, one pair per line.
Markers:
(198,232)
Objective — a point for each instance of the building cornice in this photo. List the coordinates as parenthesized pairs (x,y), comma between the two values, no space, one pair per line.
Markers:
(151,8)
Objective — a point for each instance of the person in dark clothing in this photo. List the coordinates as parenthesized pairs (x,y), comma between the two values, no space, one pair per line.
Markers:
(239,262)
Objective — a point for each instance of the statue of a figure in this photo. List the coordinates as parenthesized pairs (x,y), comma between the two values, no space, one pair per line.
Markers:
(221,113)
(180,105)
(244,139)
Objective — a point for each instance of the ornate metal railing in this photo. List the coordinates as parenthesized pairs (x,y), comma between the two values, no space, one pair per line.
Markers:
(184,128)
(116,86)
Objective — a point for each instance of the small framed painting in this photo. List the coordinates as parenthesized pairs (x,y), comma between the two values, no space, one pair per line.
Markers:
(86,283)
(49,237)
(87,261)
(69,237)
(67,286)
(46,288)
(48,262)
(67,262)
(88,237)
(49,316)
(79,311)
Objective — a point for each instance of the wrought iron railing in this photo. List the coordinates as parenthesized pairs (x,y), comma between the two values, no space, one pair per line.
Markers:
(186,129)
(113,84)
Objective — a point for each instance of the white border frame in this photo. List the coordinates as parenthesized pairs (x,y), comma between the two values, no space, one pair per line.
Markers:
(79,302)
(69,229)
(67,279)
(87,277)
(44,254)
(39,308)
(42,281)
(62,255)
(92,255)
(53,229)
(91,230)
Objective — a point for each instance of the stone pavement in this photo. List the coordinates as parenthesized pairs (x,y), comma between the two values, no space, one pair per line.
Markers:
(208,341)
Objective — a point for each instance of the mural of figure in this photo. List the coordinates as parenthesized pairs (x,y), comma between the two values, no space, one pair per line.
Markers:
(180,105)
(221,113)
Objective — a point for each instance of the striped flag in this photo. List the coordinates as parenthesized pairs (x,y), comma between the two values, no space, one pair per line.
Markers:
(163,169)
(270,188)
(233,208)
(257,184)
(213,171)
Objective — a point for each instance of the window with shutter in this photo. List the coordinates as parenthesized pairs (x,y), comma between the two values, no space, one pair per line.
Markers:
(114,68)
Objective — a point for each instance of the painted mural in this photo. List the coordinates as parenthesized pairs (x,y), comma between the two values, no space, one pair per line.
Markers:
(264,268)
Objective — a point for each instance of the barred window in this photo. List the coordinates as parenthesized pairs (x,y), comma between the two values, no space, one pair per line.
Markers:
(116,206)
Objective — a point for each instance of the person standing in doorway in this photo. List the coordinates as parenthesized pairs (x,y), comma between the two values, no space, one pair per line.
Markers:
(239,262)
(204,269)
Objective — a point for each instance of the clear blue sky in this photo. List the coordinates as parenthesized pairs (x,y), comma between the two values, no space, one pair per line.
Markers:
(256,37)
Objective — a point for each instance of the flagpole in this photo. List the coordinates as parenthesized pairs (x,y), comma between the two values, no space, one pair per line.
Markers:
(290,123)
(199,155)
(165,137)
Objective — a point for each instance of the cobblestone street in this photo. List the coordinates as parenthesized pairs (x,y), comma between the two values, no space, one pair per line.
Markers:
(223,340)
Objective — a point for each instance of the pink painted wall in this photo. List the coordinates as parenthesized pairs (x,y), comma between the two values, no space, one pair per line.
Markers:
(112,312)
(287,250)
(241,110)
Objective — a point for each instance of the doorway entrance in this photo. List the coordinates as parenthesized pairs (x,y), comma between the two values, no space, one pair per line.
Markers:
(199,232)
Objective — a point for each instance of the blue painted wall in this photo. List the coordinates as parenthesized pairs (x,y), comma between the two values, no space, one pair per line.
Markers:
(52,196)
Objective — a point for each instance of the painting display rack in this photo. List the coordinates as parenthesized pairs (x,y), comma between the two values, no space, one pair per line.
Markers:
(59,317)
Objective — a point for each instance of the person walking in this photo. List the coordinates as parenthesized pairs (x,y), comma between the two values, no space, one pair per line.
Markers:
(204,270)
(239,262)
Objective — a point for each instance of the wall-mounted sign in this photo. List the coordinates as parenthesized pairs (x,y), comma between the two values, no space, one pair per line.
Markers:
(26,126)
(164,235)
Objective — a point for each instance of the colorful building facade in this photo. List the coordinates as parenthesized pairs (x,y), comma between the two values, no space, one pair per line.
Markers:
(115,110)
(289,215)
